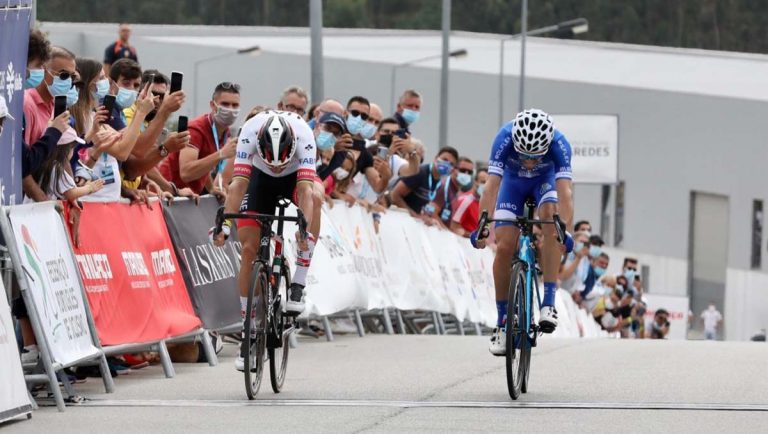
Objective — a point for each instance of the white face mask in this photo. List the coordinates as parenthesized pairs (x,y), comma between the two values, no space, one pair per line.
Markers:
(340,174)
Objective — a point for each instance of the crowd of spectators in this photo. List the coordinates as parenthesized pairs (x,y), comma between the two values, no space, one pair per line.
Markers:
(134,151)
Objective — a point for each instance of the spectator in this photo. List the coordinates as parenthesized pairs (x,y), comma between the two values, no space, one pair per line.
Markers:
(55,175)
(294,99)
(660,324)
(38,53)
(589,296)
(415,192)
(420,150)
(605,311)
(629,269)
(375,169)
(60,75)
(210,145)
(573,273)
(467,207)
(460,180)
(408,109)
(125,75)
(711,318)
(375,116)
(120,49)
(327,106)
(337,183)
(582,226)
(333,143)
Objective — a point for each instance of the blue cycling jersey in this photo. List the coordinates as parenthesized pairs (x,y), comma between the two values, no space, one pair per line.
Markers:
(505,161)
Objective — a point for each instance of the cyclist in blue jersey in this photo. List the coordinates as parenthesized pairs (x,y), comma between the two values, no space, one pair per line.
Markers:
(529,158)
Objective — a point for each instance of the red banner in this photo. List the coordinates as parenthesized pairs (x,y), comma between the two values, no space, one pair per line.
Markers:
(131,274)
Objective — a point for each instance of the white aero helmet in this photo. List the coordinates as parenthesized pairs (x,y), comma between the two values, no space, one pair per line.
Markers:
(533,132)
(276,141)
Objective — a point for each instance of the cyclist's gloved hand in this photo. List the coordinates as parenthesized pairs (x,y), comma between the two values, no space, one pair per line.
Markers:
(217,239)
(568,242)
(473,238)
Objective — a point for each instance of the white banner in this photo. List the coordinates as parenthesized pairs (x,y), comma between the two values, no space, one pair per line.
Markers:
(678,314)
(51,274)
(594,141)
(14,399)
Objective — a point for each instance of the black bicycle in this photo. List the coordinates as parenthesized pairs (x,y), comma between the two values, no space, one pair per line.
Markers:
(267,330)
(520,328)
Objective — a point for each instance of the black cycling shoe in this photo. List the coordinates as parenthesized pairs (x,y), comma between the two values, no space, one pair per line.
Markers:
(295,304)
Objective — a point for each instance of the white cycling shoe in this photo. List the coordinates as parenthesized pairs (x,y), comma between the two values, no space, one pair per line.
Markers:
(498,346)
(240,363)
(294,306)
(548,319)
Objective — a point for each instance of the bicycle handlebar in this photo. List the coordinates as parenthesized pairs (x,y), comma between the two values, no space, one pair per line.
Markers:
(484,221)
(221,216)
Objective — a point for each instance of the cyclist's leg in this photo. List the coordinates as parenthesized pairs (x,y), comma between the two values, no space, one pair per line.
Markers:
(304,257)
(546,198)
(512,194)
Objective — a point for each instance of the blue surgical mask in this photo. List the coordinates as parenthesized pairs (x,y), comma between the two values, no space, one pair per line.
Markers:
(464,179)
(443,167)
(410,116)
(126,97)
(630,275)
(480,189)
(578,246)
(72,96)
(599,271)
(354,124)
(60,87)
(102,88)
(368,130)
(36,77)
(325,140)
(595,251)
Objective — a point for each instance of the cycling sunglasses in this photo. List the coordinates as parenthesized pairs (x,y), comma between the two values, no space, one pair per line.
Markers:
(531,157)
(356,113)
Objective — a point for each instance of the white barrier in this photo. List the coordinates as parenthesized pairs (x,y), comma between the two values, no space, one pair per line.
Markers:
(14,399)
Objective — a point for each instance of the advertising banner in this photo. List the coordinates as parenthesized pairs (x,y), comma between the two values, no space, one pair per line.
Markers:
(14,399)
(14,38)
(594,141)
(210,272)
(132,276)
(50,272)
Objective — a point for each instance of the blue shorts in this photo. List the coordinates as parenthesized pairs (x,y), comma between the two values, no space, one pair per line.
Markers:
(515,190)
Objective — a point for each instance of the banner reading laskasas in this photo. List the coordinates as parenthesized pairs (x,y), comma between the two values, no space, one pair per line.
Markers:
(210,272)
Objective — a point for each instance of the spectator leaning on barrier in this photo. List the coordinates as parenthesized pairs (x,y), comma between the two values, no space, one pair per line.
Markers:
(408,109)
(120,49)
(414,193)
(592,291)
(404,160)
(467,207)
(375,169)
(451,186)
(333,143)
(294,99)
(573,272)
(210,145)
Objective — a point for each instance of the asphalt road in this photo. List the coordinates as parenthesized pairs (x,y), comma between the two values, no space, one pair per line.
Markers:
(441,383)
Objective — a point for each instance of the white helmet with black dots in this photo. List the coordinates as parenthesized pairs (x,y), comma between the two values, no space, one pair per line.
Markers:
(533,130)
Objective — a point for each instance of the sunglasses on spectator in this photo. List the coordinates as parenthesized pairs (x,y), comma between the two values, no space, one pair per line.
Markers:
(467,171)
(356,113)
(227,85)
(63,75)
(632,268)
(296,109)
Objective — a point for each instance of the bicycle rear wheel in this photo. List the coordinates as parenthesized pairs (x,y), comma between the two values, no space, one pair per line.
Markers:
(515,331)
(282,327)
(253,347)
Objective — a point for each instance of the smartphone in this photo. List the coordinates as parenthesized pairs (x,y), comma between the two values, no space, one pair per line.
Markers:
(358,144)
(385,140)
(59,105)
(176,78)
(182,124)
(383,153)
(109,104)
(402,133)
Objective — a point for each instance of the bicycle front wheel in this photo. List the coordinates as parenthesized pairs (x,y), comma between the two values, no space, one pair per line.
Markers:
(532,330)
(253,347)
(282,327)
(515,331)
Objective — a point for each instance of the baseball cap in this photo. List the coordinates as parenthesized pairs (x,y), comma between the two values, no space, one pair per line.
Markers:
(68,136)
(333,118)
(4,109)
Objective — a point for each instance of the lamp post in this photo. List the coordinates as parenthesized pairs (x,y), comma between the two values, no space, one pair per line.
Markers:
(197,64)
(565,29)
(456,53)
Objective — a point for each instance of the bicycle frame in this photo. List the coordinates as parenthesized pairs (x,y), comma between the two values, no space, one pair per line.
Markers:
(527,254)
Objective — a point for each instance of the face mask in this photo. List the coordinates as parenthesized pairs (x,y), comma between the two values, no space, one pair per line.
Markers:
(325,140)
(578,246)
(599,271)
(60,87)
(354,124)
(464,179)
(126,97)
(368,130)
(480,189)
(36,77)
(226,116)
(630,275)
(72,96)
(443,167)
(102,88)
(595,251)
(410,116)
(340,174)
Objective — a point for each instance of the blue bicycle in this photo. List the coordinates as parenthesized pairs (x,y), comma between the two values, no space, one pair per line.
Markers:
(520,328)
